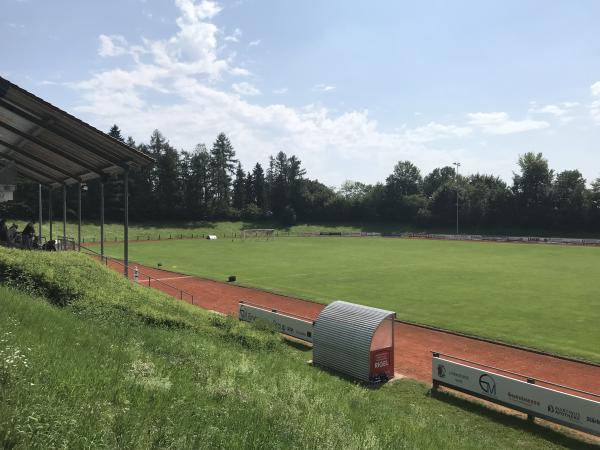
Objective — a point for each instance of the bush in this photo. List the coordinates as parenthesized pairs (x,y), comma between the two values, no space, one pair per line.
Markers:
(251,212)
(288,216)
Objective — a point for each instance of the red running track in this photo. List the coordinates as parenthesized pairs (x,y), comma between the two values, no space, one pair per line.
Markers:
(413,344)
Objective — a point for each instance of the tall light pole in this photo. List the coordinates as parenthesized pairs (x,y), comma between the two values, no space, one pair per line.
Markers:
(457,164)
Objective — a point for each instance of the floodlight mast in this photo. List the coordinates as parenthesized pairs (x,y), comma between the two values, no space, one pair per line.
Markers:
(457,164)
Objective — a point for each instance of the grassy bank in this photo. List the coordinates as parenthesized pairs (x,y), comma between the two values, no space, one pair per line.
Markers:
(89,360)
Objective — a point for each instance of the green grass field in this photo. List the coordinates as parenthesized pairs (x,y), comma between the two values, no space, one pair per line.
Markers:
(90,360)
(542,296)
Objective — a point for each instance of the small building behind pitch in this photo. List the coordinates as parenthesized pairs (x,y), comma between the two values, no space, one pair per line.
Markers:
(355,340)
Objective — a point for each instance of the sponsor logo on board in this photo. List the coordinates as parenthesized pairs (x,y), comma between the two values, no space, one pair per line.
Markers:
(595,420)
(564,412)
(518,398)
(487,384)
(441,371)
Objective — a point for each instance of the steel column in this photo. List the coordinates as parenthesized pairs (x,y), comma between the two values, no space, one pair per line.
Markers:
(50,212)
(40,217)
(126,223)
(102,217)
(79,216)
(64,214)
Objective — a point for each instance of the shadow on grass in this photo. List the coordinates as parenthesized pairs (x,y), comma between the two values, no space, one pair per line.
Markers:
(348,378)
(517,423)
(297,345)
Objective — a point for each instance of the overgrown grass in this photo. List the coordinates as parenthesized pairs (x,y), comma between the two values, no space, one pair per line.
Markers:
(543,296)
(121,366)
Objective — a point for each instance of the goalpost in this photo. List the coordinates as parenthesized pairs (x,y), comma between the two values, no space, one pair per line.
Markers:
(258,233)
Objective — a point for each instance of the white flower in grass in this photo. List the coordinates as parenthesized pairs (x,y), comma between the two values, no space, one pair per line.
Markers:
(144,374)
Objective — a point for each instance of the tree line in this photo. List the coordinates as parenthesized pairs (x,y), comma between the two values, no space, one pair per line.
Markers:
(209,183)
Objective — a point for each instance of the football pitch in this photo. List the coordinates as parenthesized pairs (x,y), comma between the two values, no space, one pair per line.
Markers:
(542,296)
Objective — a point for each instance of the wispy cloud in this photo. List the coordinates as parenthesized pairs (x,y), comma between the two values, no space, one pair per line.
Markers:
(323,87)
(434,131)
(501,123)
(595,107)
(254,43)
(554,110)
(562,111)
(245,88)
(280,91)
(235,37)
(113,45)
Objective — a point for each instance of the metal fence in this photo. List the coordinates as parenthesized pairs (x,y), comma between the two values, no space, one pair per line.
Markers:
(406,235)
(142,278)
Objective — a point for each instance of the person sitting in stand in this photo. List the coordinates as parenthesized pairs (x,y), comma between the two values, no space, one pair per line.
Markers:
(27,236)
(3,232)
(50,246)
(12,234)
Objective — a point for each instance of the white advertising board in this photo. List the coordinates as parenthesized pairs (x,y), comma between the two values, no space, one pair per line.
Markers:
(286,324)
(539,401)
(6,192)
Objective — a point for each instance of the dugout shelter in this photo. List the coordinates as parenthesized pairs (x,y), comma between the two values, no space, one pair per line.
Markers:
(355,340)
(45,144)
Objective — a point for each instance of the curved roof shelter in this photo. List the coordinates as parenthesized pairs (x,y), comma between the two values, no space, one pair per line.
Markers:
(347,337)
(53,148)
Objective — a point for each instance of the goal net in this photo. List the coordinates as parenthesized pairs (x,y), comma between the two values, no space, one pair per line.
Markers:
(258,233)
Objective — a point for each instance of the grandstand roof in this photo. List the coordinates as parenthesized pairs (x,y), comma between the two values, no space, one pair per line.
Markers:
(54,148)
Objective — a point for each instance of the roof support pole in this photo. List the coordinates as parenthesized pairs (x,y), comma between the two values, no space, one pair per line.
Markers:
(102,217)
(50,212)
(40,214)
(64,191)
(79,216)
(126,223)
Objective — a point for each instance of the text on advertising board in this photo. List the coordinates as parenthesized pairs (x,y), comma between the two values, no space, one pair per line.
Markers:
(286,324)
(539,401)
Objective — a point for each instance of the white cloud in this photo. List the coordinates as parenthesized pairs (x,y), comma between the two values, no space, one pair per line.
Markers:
(245,88)
(595,108)
(48,83)
(561,111)
(323,87)
(280,91)
(555,110)
(114,45)
(235,37)
(170,86)
(254,43)
(196,12)
(570,104)
(501,123)
(434,131)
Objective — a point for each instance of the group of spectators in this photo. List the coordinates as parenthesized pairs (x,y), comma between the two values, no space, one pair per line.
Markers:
(27,240)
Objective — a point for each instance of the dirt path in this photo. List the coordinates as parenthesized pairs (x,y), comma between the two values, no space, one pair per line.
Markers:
(413,344)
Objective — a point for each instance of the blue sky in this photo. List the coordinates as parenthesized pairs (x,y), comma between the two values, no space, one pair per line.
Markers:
(350,87)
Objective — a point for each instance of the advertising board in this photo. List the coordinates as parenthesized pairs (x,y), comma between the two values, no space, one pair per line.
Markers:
(284,323)
(539,401)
